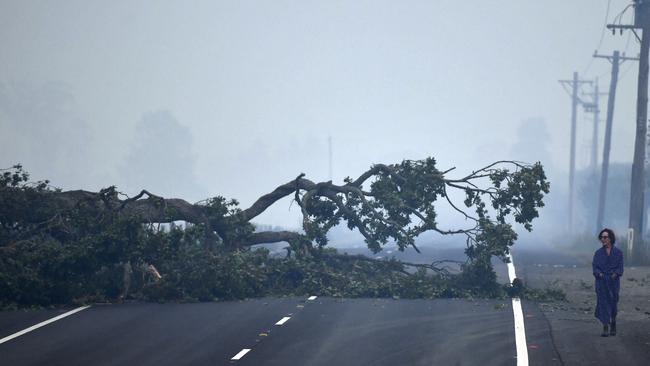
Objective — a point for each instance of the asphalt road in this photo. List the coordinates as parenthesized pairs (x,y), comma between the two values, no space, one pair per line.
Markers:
(323,331)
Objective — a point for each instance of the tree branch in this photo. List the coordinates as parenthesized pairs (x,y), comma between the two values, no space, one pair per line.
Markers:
(280,192)
(267,237)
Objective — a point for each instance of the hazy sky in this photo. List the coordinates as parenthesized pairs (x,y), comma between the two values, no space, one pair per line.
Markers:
(249,91)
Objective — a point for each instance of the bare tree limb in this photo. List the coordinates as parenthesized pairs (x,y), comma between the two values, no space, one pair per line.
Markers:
(267,237)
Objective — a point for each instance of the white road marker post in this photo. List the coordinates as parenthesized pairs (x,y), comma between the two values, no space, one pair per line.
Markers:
(520,329)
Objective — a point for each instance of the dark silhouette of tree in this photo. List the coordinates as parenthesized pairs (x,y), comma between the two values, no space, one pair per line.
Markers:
(161,157)
(42,120)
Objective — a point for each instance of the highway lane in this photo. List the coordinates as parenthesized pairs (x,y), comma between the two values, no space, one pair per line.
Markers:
(324,331)
(393,332)
(147,334)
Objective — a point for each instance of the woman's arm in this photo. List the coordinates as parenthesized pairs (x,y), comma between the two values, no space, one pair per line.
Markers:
(619,263)
(598,273)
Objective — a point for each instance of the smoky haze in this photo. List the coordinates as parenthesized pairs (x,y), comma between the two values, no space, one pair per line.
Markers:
(235,98)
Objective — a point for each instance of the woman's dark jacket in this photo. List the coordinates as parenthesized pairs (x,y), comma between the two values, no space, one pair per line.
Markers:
(607,288)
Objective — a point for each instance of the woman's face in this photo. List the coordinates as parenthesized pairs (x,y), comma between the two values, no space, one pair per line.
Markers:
(605,240)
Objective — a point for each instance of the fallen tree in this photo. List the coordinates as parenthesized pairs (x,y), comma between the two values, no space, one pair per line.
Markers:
(388,203)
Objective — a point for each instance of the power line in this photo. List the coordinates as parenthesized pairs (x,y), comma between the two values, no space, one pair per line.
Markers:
(602,36)
(627,43)
(628,68)
(620,15)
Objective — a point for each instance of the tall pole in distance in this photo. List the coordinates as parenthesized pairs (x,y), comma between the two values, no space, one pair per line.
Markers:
(637,189)
(594,107)
(616,60)
(604,171)
(594,142)
(611,98)
(572,158)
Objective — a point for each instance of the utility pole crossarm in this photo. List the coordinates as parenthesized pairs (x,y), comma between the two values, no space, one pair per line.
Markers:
(569,83)
(621,58)
(622,27)
(590,107)
(579,81)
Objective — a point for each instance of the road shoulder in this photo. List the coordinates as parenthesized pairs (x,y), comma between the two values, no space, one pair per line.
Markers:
(575,330)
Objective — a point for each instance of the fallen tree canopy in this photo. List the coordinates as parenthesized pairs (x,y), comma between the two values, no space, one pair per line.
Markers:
(53,234)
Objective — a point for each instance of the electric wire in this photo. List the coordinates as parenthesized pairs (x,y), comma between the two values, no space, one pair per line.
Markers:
(620,15)
(627,43)
(625,71)
(618,19)
(602,36)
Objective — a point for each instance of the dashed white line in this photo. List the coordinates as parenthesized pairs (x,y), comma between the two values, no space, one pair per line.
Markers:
(244,351)
(241,354)
(520,330)
(283,320)
(42,324)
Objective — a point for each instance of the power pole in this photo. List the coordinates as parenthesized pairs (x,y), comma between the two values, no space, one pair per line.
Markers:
(637,189)
(594,107)
(616,60)
(574,84)
(594,143)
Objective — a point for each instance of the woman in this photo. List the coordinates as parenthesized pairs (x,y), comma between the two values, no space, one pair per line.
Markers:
(608,269)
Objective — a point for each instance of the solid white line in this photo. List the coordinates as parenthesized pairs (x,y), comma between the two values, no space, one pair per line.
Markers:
(520,333)
(511,269)
(520,330)
(312,298)
(283,320)
(241,354)
(42,324)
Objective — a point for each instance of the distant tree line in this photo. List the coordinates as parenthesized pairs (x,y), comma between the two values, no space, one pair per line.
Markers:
(617,197)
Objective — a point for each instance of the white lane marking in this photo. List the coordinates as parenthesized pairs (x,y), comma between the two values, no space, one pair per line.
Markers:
(283,320)
(520,330)
(42,324)
(241,354)
(520,333)
(511,269)
(312,298)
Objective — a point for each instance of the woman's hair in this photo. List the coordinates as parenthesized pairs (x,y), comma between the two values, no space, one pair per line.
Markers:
(612,236)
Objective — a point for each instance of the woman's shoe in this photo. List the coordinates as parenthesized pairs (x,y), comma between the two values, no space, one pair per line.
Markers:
(605,332)
(612,330)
